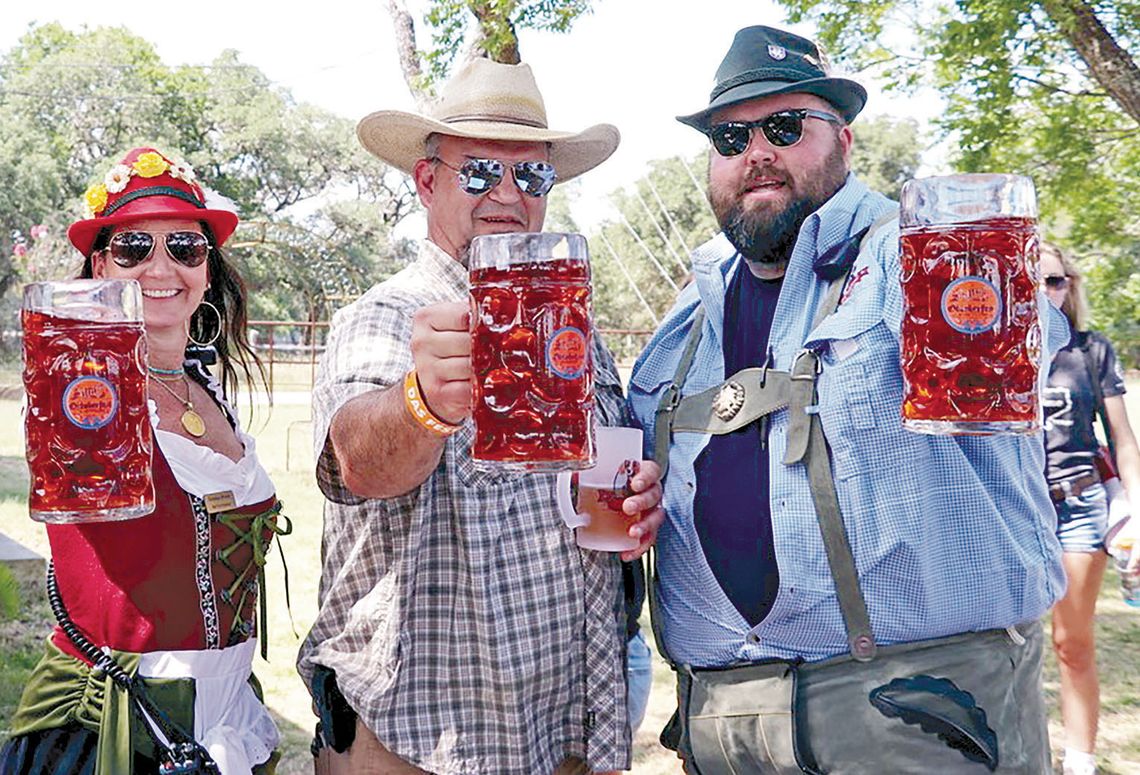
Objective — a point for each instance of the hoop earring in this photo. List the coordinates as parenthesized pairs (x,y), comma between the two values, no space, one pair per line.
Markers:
(217,332)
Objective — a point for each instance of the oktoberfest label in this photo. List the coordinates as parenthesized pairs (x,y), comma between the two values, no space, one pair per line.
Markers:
(90,402)
(971,305)
(566,353)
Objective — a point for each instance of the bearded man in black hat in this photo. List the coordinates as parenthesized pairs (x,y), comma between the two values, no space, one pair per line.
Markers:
(837,595)
(460,630)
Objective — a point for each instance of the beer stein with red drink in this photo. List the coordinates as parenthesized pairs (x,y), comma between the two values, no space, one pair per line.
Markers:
(86,425)
(971,338)
(531,352)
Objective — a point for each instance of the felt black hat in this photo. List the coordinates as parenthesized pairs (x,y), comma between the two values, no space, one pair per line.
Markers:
(764,61)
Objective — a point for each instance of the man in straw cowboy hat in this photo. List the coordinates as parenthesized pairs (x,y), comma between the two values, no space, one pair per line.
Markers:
(838,595)
(460,628)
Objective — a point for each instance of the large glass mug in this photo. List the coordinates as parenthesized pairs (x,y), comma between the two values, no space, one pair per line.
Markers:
(971,338)
(531,352)
(87,427)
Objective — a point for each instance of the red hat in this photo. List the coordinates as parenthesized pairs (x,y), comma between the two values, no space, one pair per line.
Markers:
(147,184)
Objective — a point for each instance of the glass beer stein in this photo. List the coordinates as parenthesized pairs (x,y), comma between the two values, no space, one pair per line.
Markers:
(531,352)
(86,425)
(971,338)
(591,501)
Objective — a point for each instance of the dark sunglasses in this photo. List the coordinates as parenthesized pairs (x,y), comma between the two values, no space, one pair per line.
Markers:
(1056,281)
(130,248)
(782,129)
(479,176)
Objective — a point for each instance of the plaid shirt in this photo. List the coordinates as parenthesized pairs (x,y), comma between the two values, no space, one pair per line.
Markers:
(465,627)
(950,533)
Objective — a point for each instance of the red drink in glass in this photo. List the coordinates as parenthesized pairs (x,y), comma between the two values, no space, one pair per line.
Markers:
(531,353)
(971,339)
(87,427)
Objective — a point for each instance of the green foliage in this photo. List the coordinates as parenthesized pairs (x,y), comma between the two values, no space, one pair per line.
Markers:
(316,208)
(886,153)
(497,21)
(1019,99)
(9,595)
(641,258)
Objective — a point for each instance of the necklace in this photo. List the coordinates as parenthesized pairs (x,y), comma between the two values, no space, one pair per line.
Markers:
(167,375)
(191,421)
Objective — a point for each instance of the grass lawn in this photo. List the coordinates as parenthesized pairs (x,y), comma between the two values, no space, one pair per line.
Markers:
(284,444)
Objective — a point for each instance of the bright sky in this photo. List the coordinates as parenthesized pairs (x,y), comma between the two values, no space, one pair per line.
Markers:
(633,63)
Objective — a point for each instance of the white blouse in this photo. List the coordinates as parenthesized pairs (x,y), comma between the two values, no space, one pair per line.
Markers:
(200,470)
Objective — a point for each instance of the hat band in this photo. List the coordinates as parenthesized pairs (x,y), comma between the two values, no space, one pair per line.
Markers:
(153,191)
(789,74)
(494,119)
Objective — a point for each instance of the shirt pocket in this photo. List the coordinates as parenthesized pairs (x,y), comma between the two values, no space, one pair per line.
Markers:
(858,388)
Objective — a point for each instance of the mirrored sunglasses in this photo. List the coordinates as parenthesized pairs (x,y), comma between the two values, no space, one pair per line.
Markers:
(130,248)
(1056,282)
(782,129)
(479,176)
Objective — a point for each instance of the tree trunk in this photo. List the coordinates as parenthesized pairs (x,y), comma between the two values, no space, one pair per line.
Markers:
(1109,64)
(491,17)
(405,29)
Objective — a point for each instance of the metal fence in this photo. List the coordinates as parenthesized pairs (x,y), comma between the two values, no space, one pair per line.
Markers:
(290,349)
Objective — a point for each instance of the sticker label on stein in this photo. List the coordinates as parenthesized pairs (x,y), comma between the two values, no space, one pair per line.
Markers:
(90,402)
(971,305)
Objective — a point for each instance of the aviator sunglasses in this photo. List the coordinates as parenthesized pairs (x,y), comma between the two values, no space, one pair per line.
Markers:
(128,249)
(782,129)
(479,176)
(1056,282)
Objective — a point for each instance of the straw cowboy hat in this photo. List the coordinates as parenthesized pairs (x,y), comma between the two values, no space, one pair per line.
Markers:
(764,61)
(486,101)
(148,184)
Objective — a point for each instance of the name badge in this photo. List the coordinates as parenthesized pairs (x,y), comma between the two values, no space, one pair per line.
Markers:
(220,501)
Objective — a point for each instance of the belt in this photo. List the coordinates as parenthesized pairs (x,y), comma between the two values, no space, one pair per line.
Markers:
(1075,486)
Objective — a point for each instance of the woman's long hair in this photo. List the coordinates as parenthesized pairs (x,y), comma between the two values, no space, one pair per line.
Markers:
(1076,305)
(226,291)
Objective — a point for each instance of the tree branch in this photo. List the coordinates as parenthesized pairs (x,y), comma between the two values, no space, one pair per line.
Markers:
(405,28)
(1109,64)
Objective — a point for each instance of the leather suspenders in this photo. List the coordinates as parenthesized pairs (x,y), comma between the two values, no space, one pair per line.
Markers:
(754,394)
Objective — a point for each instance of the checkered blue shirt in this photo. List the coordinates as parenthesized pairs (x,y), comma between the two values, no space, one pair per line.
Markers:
(950,533)
(466,628)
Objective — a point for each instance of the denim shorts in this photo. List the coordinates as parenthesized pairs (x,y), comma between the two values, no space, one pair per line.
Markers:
(639,671)
(1082,520)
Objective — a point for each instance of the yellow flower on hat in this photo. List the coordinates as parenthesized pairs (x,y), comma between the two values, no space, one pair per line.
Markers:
(150,165)
(96,199)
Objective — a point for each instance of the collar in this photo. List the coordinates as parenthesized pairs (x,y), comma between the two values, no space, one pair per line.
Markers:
(441,265)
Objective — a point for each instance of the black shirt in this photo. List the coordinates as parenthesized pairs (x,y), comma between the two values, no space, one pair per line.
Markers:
(1069,404)
(731,511)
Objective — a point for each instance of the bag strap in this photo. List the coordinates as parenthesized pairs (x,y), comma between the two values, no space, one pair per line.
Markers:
(1098,392)
(178,750)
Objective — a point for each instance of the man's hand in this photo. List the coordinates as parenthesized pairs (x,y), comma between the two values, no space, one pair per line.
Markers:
(646,501)
(441,350)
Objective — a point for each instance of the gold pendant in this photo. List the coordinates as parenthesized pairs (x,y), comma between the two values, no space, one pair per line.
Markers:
(193,423)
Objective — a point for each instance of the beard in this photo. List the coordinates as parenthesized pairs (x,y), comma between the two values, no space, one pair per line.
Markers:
(767,233)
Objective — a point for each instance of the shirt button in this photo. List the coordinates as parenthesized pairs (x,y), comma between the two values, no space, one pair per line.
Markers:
(752,638)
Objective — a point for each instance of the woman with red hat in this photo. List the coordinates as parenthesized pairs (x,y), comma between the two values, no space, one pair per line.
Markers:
(149,669)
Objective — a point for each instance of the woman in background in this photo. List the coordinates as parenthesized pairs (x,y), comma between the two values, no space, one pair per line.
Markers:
(1084,365)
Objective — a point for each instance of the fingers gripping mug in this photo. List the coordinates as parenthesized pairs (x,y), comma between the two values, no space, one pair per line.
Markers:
(590,501)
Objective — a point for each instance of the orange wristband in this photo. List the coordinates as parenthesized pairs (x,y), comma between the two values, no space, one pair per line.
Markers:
(416,404)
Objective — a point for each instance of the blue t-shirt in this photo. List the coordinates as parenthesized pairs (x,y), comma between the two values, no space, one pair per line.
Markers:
(731,511)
